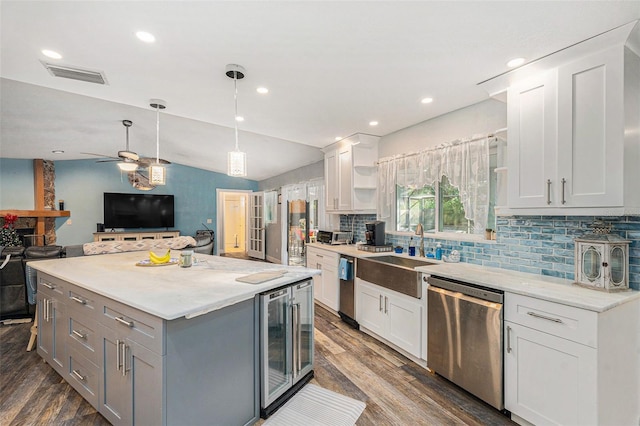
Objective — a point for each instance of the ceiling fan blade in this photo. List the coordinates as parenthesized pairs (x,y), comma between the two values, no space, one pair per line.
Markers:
(108,161)
(100,155)
(147,161)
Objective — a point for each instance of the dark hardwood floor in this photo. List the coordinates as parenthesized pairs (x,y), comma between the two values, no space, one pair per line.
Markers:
(396,390)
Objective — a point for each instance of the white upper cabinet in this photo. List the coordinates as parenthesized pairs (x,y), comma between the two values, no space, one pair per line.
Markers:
(574,129)
(566,135)
(591,130)
(350,174)
(531,153)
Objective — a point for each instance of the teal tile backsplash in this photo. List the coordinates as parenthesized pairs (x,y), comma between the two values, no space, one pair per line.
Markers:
(542,245)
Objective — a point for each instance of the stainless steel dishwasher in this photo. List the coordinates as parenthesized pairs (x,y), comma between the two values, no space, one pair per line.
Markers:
(464,337)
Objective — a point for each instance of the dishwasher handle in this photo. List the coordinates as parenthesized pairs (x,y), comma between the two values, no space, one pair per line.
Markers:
(461,296)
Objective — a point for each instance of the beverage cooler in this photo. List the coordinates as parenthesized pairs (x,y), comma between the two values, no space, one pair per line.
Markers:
(286,343)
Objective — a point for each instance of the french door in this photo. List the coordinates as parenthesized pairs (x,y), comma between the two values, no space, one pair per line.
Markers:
(256,247)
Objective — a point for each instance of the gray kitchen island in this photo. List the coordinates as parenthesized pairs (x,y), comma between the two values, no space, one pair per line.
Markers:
(159,345)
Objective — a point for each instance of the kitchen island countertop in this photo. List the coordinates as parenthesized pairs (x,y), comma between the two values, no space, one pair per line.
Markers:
(169,291)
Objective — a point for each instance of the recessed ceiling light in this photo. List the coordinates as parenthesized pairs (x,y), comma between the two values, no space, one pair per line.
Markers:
(262,90)
(373,123)
(426,100)
(239,118)
(51,54)
(337,138)
(145,36)
(57,151)
(516,62)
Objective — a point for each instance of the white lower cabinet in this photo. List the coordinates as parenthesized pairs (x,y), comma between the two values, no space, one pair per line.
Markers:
(569,366)
(395,317)
(326,286)
(549,380)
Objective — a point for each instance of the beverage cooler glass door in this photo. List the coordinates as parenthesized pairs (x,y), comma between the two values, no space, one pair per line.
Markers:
(302,309)
(275,344)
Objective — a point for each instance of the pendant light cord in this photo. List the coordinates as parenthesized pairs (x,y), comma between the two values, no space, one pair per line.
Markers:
(158,134)
(235,99)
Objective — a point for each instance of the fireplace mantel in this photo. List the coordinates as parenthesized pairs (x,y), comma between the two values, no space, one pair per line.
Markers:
(37,213)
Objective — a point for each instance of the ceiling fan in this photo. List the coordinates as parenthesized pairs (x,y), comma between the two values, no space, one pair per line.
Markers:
(128,160)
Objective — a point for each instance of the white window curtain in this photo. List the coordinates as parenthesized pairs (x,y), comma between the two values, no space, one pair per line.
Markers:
(464,163)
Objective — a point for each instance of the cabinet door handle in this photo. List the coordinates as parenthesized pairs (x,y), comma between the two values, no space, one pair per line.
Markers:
(78,375)
(380,303)
(77,299)
(78,334)
(386,304)
(45,304)
(47,285)
(121,320)
(563,184)
(118,362)
(548,191)
(544,317)
(508,339)
(124,359)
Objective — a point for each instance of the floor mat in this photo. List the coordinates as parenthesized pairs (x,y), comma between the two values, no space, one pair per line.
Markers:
(314,405)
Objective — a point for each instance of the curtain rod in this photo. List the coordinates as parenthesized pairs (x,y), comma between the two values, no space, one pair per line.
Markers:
(447,144)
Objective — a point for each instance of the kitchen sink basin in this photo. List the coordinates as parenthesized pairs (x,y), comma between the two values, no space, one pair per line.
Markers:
(393,272)
(405,262)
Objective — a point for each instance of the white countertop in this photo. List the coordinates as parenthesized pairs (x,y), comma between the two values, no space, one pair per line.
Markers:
(539,286)
(169,292)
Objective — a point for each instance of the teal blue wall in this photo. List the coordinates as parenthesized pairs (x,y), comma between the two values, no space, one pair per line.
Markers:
(16,184)
(81,184)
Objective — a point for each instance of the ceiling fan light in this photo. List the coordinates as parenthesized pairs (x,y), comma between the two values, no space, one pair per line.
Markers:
(237,163)
(127,167)
(157,174)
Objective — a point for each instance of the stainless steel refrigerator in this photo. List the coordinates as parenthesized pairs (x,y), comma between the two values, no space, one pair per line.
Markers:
(286,343)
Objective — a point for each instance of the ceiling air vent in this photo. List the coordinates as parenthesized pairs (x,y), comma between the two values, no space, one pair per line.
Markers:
(76,73)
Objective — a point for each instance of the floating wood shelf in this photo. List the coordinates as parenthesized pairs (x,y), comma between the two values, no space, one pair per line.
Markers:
(37,213)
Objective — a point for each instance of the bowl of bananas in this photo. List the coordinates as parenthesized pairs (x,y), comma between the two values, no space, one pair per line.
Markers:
(158,260)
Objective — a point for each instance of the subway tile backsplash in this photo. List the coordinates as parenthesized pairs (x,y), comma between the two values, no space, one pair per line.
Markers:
(540,245)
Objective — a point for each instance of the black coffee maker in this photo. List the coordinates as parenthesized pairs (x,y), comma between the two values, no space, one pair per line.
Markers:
(374,233)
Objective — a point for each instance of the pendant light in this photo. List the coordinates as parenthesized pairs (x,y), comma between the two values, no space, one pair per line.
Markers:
(127,165)
(157,172)
(236,159)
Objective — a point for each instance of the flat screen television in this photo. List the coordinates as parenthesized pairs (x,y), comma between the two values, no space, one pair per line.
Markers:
(138,210)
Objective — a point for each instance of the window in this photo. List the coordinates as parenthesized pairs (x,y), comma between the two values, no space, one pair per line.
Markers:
(438,207)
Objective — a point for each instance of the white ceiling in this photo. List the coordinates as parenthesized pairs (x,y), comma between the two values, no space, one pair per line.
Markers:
(331,67)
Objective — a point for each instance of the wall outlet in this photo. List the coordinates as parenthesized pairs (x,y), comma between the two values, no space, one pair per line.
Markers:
(68,222)
(209,221)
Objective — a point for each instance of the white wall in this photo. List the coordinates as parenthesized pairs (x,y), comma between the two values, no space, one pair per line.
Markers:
(484,117)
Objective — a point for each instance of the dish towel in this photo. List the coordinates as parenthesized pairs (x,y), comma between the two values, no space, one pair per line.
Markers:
(346,269)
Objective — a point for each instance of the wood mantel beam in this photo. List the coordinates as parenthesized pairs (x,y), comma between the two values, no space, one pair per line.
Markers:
(38,194)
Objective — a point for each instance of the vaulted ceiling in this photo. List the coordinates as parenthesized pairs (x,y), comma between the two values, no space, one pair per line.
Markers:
(330,67)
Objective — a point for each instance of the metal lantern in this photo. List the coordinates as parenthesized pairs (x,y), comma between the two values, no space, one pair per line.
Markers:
(602,260)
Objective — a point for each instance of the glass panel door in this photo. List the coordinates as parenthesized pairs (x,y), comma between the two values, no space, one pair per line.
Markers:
(275,345)
(303,310)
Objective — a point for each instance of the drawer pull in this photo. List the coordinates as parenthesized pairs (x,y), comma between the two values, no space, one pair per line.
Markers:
(533,314)
(77,299)
(78,334)
(78,375)
(47,285)
(121,320)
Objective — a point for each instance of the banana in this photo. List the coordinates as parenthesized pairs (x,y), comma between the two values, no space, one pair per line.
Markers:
(159,259)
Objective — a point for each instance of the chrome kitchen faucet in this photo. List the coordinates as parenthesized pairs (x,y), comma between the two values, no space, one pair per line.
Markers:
(420,231)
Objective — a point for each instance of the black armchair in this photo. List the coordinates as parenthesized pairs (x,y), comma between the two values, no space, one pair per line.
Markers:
(13,291)
(204,242)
